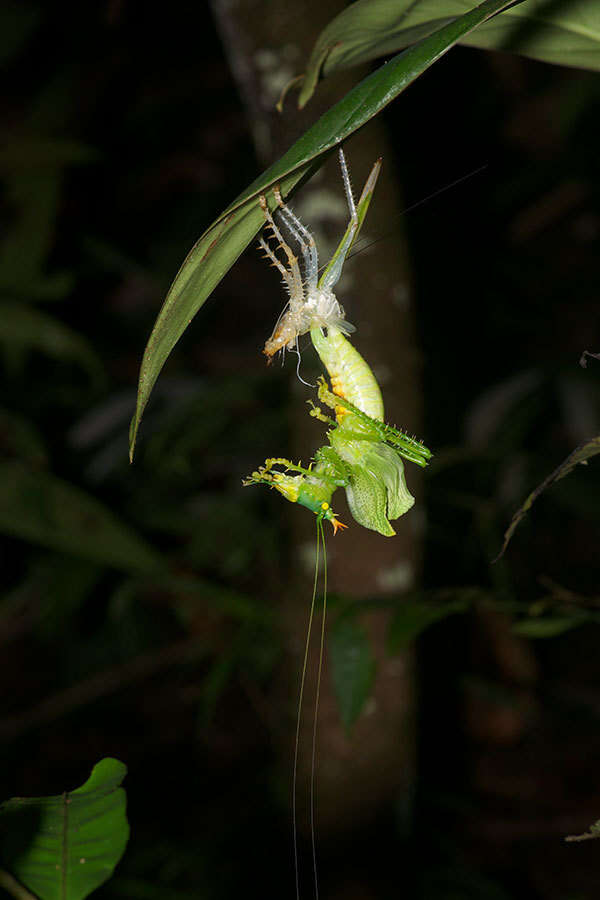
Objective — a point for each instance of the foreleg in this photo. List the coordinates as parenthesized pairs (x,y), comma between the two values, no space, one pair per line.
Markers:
(305,239)
(409,447)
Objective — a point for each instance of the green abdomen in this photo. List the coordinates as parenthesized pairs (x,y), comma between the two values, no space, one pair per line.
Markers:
(350,375)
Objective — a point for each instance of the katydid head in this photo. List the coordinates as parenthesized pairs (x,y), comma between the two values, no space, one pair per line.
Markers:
(308,487)
(315,494)
(328,514)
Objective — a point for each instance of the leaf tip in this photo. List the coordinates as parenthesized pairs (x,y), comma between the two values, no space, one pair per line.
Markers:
(133,430)
(292,83)
(498,555)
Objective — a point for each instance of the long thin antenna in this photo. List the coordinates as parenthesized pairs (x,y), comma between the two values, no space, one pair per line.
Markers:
(442,190)
(299,717)
(316,717)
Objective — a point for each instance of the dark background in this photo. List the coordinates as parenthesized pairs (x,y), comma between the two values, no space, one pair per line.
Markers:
(124,136)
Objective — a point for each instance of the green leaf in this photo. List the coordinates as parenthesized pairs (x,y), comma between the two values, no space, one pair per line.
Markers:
(39,507)
(566,33)
(548,627)
(222,243)
(25,328)
(412,617)
(352,668)
(64,847)
(581,455)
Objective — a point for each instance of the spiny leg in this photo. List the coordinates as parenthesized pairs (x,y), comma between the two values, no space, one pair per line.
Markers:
(296,288)
(409,447)
(311,472)
(285,332)
(305,239)
(287,464)
(269,254)
(317,413)
(347,186)
(294,319)
(324,455)
(333,270)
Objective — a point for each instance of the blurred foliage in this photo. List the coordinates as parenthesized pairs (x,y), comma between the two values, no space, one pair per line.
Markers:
(138,615)
(352,667)
(579,456)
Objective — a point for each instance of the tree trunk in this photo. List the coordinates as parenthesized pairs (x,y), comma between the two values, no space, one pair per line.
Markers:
(357,776)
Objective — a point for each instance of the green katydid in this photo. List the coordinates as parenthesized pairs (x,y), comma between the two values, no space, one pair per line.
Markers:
(364,455)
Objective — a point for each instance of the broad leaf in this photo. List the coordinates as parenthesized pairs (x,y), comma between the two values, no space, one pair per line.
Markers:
(580,455)
(352,668)
(64,847)
(232,231)
(566,32)
(41,508)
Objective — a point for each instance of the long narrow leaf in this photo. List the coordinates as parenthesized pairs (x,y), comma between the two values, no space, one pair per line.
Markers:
(566,32)
(232,231)
(579,456)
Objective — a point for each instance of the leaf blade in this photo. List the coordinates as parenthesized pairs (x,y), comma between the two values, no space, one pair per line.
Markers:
(540,29)
(352,668)
(70,843)
(222,243)
(580,455)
